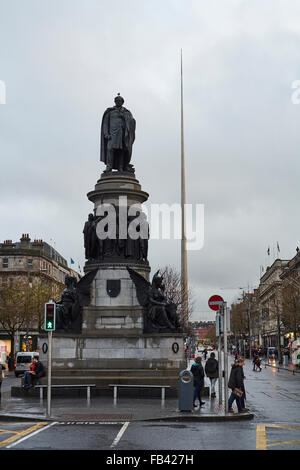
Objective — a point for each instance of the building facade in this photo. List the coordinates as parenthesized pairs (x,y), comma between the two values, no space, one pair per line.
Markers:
(38,270)
(270,305)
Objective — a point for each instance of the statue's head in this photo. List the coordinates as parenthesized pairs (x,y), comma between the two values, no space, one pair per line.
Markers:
(119,100)
(91,217)
(157,280)
(70,280)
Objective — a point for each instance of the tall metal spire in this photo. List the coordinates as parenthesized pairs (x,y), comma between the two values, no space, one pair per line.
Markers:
(184,280)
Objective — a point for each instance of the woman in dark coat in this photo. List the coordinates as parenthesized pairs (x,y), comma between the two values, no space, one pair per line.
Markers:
(236,380)
(212,372)
(198,373)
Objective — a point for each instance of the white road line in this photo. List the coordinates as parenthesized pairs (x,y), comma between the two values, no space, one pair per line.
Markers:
(30,435)
(120,434)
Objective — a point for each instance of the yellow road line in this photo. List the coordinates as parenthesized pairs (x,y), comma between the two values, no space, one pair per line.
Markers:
(6,431)
(261,442)
(19,434)
(279,443)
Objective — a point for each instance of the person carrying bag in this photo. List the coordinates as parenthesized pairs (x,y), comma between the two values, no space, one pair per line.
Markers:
(236,383)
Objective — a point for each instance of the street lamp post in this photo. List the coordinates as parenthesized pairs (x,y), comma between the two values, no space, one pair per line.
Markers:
(249,324)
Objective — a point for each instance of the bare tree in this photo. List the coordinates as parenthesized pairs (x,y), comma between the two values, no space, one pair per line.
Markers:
(15,306)
(173,292)
(290,315)
(22,303)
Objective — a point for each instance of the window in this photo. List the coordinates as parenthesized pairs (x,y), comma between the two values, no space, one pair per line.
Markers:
(5,263)
(30,263)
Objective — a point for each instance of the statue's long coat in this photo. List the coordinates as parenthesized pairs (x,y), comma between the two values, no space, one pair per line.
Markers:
(129,133)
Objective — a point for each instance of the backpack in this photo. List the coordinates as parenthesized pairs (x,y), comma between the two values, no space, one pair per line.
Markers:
(211,365)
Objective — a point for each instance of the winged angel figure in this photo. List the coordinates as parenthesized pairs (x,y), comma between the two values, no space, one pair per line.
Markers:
(75,296)
(161,315)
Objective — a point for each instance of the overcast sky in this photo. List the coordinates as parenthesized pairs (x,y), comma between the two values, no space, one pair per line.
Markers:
(64,61)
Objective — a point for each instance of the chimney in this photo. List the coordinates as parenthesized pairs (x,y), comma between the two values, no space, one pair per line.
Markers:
(25,240)
(8,244)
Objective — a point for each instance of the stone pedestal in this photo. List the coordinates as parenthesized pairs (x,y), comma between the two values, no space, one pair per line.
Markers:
(112,347)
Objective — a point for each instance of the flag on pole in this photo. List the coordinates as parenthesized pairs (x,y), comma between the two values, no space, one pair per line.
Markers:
(278,249)
(268,251)
(72,261)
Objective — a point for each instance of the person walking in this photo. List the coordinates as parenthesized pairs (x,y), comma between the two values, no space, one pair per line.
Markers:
(2,369)
(198,373)
(11,362)
(212,372)
(236,383)
(255,357)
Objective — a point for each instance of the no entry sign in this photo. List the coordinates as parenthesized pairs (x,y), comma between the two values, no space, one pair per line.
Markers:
(215,301)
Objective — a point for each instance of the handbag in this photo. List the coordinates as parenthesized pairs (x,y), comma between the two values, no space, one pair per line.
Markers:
(237,392)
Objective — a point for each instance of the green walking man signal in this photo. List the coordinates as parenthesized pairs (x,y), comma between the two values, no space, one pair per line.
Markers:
(50,311)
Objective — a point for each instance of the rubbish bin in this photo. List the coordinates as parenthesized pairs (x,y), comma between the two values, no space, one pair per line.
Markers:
(185,390)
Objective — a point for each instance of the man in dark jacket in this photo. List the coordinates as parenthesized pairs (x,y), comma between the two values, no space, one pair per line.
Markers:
(33,376)
(198,373)
(212,372)
(236,381)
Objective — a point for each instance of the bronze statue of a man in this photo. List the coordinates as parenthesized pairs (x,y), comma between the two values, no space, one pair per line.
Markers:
(117,137)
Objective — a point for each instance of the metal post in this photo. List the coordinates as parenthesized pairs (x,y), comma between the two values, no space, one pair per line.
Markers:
(225,358)
(249,324)
(49,374)
(220,363)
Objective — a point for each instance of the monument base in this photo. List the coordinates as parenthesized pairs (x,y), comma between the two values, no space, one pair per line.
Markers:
(143,359)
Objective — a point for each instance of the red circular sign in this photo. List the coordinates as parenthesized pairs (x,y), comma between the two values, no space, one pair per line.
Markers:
(215,301)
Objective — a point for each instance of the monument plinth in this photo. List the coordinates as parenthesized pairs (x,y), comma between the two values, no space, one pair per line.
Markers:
(115,325)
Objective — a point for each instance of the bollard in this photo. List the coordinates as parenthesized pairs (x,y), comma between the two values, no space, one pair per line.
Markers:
(185,390)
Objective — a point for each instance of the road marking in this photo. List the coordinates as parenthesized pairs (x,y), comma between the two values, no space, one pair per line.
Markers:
(27,434)
(261,436)
(120,434)
(72,423)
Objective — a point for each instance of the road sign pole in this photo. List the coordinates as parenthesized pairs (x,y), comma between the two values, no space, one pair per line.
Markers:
(216,302)
(49,374)
(220,368)
(225,358)
(219,319)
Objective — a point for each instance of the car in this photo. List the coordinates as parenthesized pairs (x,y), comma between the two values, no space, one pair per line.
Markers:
(23,361)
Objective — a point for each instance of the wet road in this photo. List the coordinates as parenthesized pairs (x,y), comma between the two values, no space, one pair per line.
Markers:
(273,397)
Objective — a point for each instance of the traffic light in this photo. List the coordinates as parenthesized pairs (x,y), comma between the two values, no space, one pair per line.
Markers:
(50,311)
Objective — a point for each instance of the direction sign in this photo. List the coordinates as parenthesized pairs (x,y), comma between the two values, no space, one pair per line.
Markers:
(215,301)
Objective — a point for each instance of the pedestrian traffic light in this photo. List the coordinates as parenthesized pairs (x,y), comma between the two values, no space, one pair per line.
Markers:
(50,311)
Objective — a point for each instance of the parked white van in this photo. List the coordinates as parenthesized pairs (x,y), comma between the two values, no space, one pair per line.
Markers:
(23,361)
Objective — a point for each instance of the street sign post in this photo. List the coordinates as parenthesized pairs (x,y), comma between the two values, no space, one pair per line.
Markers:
(216,303)
(225,310)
